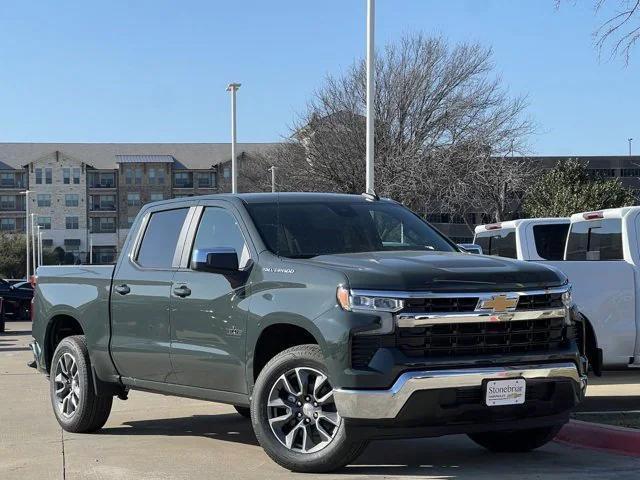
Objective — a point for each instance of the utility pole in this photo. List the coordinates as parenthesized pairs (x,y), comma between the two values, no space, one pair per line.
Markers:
(33,242)
(39,244)
(233,88)
(371,89)
(26,230)
(630,140)
(273,177)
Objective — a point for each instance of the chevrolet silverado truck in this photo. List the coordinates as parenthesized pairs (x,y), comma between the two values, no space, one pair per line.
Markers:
(329,320)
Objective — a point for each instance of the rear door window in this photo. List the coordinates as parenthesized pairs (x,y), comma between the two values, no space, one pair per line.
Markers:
(501,243)
(595,240)
(161,238)
(550,240)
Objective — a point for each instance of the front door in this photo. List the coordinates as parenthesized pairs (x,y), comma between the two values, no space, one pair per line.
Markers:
(209,310)
(140,340)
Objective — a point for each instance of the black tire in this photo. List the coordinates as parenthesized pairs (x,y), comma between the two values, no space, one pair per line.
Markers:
(517,440)
(340,450)
(244,411)
(92,411)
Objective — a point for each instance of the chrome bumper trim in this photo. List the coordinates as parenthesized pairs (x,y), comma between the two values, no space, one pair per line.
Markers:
(408,320)
(378,404)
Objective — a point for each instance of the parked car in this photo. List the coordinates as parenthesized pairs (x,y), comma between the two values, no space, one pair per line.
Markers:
(17,299)
(330,320)
(601,257)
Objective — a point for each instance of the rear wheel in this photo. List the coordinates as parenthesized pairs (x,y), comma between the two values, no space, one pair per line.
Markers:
(516,440)
(294,415)
(76,406)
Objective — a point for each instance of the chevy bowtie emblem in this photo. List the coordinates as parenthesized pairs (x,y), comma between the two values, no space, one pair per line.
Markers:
(498,303)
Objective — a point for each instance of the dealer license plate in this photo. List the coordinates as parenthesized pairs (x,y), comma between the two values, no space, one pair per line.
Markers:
(505,392)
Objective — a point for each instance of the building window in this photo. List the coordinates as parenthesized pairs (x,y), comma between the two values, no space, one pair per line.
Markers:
(12,180)
(7,202)
(151,175)
(183,179)
(226,173)
(66,176)
(160,179)
(48,176)
(103,225)
(102,202)
(7,224)
(133,199)
(44,200)
(128,176)
(76,176)
(71,200)
(44,222)
(138,176)
(602,172)
(156,197)
(630,172)
(206,179)
(39,176)
(104,254)
(71,223)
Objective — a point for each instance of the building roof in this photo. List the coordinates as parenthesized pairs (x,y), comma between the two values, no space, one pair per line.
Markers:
(104,155)
(145,159)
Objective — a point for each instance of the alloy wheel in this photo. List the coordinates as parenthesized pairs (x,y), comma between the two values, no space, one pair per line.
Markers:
(301,410)
(67,385)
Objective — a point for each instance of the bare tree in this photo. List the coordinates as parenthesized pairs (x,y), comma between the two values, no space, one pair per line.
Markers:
(441,114)
(621,30)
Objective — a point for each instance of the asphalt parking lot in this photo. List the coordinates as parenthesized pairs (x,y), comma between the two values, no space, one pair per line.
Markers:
(156,437)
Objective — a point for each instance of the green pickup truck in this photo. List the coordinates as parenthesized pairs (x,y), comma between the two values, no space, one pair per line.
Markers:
(329,320)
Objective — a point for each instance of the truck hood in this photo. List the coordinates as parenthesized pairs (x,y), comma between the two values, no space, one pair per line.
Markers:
(439,271)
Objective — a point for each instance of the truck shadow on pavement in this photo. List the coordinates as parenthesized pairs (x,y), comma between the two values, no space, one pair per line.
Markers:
(445,458)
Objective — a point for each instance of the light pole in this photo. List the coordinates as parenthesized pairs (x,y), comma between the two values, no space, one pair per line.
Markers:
(630,140)
(273,177)
(90,250)
(33,242)
(40,245)
(26,228)
(371,89)
(233,88)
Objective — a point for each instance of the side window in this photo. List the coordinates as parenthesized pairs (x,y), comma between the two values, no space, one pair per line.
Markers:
(504,245)
(160,238)
(483,241)
(595,240)
(550,240)
(219,228)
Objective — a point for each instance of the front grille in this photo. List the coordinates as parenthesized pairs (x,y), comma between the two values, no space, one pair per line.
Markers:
(468,304)
(468,339)
(481,338)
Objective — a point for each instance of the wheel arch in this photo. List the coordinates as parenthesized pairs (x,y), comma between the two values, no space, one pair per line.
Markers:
(60,326)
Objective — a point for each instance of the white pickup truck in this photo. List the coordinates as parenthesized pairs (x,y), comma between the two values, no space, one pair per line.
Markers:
(600,253)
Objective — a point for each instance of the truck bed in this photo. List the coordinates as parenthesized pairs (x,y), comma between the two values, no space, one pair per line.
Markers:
(80,292)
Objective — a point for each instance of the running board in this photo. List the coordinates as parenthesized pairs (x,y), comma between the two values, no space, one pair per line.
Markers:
(634,362)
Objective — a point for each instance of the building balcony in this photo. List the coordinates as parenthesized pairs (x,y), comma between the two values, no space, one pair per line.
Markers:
(102,208)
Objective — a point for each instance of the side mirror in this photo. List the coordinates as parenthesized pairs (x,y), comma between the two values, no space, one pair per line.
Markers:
(470,248)
(215,260)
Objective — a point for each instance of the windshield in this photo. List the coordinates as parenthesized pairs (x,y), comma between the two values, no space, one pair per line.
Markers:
(305,230)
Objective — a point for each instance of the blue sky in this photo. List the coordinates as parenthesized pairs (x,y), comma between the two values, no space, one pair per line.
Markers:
(156,71)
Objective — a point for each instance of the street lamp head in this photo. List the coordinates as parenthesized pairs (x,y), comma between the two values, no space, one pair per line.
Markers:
(233,86)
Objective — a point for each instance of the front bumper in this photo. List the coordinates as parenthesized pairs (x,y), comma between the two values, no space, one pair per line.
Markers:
(387,404)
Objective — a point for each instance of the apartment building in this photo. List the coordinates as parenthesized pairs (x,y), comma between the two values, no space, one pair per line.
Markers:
(85,196)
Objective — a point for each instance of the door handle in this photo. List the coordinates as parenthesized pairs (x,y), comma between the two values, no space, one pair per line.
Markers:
(123,289)
(182,291)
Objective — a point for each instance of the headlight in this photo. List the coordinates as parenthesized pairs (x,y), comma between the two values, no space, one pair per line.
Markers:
(567,298)
(362,302)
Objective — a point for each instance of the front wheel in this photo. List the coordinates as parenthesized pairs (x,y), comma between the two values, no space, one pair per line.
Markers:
(76,406)
(516,441)
(294,415)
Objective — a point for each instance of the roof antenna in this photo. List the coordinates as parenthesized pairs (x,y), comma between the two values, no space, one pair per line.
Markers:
(371,196)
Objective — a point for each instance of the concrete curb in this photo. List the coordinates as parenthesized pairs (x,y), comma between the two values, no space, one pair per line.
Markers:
(607,438)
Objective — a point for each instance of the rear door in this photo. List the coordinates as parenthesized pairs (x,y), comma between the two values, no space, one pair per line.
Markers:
(209,310)
(140,320)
